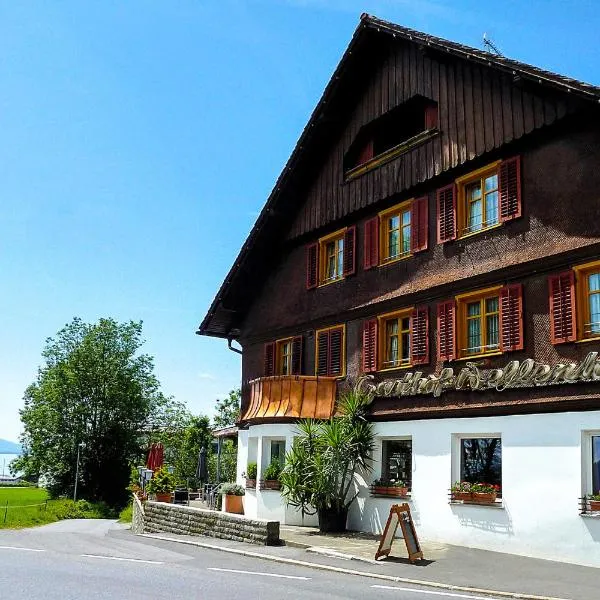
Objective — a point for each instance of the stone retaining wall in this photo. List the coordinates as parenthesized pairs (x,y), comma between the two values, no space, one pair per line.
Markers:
(172,518)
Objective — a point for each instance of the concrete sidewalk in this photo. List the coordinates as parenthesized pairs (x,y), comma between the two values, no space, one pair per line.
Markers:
(451,567)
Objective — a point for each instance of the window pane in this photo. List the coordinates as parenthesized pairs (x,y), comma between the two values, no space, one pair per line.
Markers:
(594,301)
(491,209)
(393,244)
(340,258)
(481,460)
(406,233)
(596,464)
(491,183)
(278,451)
(397,461)
(473,309)
(594,282)
(473,335)
(492,340)
(405,347)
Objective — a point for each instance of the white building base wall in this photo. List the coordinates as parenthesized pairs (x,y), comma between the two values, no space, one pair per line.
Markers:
(545,470)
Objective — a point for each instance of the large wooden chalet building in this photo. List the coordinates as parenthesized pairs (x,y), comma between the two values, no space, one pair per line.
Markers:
(435,239)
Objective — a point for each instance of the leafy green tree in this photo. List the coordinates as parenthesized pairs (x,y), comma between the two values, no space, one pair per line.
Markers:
(94,391)
(227,410)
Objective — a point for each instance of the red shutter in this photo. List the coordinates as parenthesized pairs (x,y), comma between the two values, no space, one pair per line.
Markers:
(419,336)
(269,359)
(312,266)
(509,187)
(366,153)
(322,352)
(369,357)
(431,116)
(297,355)
(446,326)
(349,251)
(371,240)
(419,224)
(336,352)
(563,322)
(511,318)
(446,215)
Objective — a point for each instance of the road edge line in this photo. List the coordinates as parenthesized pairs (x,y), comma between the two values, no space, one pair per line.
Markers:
(302,563)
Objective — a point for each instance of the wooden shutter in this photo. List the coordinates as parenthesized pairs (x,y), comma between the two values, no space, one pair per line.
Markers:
(297,355)
(446,213)
(371,240)
(509,187)
(511,318)
(366,153)
(349,251)
(419,224)
(446,326)
(322,352)
(312,266)
(369,354)
(419,336)
(561,294)
(336,352)
(269,359)
(431,116)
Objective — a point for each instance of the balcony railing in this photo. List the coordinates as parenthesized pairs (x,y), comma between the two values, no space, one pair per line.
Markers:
(291,397)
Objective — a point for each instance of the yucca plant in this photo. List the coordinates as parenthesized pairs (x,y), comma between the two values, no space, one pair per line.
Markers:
(320,468)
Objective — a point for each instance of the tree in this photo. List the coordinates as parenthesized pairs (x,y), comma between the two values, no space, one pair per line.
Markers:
(95,392)
(228,410)
(321,465)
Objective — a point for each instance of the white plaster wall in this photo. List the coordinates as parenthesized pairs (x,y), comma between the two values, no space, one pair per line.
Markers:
(542,480)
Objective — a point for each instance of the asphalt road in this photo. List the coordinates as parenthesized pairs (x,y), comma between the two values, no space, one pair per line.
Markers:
(81,560)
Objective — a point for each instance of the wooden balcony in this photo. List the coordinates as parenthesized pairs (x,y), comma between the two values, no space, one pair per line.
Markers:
(291,397)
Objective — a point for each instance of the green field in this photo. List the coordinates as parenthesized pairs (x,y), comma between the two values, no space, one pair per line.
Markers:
(27,507)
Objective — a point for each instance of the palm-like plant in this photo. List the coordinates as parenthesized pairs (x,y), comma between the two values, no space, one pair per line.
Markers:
(321,465)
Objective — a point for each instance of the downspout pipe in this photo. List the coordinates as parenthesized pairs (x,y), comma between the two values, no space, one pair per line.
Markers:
(229,342)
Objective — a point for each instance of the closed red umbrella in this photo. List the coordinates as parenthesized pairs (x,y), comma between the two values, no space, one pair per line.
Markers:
(156,456)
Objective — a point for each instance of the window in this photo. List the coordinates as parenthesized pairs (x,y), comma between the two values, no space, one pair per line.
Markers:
(588,301)
(479,330)
(330,357)
(395,228)
(278,451)
(595,464)
(331,258)
(284,357)
(396,461)
(478,200)
(395,339)
(481,460)
(390,135)
(396,233)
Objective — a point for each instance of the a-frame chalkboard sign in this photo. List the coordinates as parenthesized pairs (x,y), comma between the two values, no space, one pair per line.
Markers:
(400,515)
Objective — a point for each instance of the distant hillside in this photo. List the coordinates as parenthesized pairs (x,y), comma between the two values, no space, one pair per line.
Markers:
(7,447)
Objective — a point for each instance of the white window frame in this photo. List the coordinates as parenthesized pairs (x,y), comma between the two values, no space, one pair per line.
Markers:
(586,461)
(456,457)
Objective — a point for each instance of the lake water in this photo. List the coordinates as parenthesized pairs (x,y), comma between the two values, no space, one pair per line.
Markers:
(5,460)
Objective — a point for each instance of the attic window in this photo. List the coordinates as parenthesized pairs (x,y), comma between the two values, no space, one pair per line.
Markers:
(391,134)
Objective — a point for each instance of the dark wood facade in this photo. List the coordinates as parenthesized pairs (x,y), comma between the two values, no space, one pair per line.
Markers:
(488,110)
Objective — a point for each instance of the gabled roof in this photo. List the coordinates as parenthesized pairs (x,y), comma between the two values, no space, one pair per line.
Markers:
(228,308)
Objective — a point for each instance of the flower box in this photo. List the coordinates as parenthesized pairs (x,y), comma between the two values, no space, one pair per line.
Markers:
(270,484)
(594,505)
(395,492)
(483,497)
(250,484)
(461,496)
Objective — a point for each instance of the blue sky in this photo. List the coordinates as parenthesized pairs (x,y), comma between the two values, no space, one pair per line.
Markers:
(139,140)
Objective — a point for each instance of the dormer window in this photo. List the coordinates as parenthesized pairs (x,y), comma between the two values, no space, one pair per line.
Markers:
(391,134)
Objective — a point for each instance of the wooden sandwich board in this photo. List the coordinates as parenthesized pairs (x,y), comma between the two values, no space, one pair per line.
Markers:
(400,515)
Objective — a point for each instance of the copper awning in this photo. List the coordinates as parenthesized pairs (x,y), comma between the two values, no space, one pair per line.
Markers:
(291,397)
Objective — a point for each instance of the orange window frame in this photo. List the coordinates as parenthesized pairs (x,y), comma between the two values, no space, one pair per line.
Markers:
(462,183)
(337,239)
(384,362)
(582,300)
(462,302)
(283,354)
(385,257)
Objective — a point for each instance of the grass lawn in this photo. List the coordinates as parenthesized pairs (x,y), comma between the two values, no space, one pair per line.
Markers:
(27,507)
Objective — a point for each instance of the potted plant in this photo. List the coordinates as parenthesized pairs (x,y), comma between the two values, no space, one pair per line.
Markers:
(233,497)
(250,475)
(461,490)
(594,502)
(161,485)
(389,487)
(320,469)
(484,493)
(272,473)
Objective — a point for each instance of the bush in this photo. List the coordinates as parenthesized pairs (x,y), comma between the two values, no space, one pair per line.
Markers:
(252,470)
(273,471)
(231,489)
(162,482)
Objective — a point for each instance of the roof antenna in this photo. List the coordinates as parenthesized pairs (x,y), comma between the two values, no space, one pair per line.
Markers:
(490,46)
